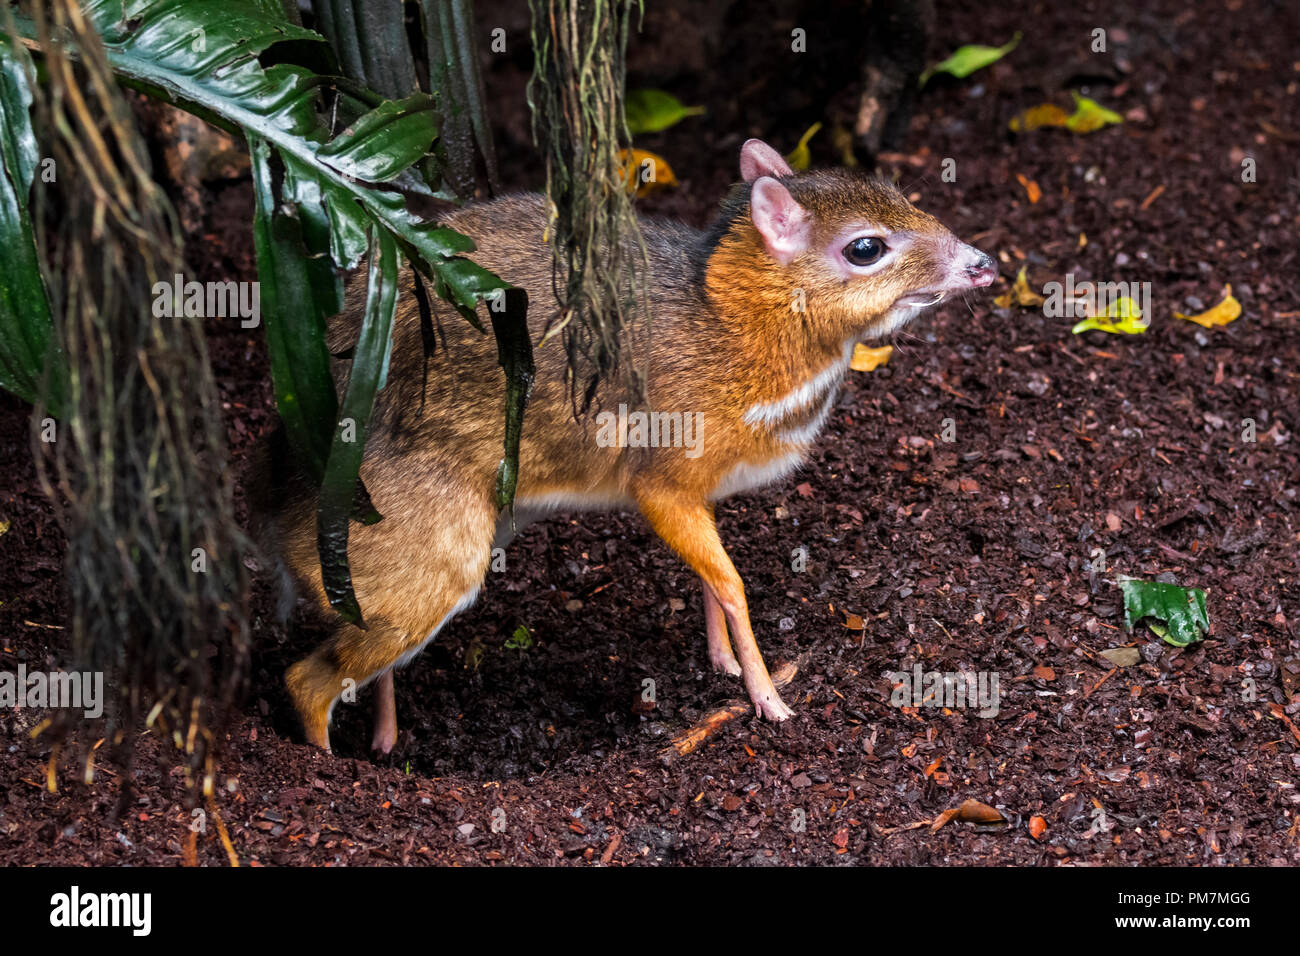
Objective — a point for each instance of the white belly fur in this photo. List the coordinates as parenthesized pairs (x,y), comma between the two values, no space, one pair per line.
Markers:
(747,475)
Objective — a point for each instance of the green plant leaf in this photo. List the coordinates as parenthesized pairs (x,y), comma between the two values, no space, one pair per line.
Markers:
(651,111)
(515,354)
(1181,610)
(24,308)
(153,48)
(385,141)
(520,640)
(967,59)
(295,322)
(332,203)
(368,372)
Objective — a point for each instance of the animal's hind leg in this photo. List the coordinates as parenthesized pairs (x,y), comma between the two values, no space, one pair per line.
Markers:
(715,619)
(384,737)
(412,572)
(385,731)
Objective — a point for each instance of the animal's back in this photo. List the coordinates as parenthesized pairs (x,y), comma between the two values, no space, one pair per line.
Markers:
(446,410)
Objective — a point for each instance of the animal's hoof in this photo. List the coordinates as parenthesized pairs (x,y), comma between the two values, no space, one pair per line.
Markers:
(771,707)
(725,665)
(384,739)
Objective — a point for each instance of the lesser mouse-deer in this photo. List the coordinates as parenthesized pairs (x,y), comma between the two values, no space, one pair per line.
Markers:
(752,328)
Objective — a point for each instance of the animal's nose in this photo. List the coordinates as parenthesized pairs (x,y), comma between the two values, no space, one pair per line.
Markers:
(982,270)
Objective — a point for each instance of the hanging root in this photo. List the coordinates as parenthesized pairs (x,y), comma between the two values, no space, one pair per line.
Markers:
(576,94)
(137,467)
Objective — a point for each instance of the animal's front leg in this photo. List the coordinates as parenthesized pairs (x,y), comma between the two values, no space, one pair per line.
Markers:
(687,526)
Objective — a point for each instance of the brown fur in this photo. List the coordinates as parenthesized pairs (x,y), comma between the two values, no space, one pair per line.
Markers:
(724,337)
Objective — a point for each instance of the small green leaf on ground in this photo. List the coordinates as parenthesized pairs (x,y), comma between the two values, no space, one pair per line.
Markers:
(1180,611)
(1089,115)
(520,640)
(967,59)
(651,111)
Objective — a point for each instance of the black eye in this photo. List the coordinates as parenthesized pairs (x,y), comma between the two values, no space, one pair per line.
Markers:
(865,250)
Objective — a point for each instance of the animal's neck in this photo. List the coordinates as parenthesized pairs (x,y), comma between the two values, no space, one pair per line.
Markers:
(765,312)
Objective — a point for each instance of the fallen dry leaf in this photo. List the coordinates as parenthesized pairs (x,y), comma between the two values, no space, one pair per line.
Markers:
(867,359)
(1019,293)
(972,811)
(645,172)
(1049,114)
(1226,311)
(1088,116)
(1279,714)
(801,157)
(1031,188)
(942,820)
(1122,656)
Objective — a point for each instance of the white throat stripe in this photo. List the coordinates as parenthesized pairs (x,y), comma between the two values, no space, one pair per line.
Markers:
(773,413)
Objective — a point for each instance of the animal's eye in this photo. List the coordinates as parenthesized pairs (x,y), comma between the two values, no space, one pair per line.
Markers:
(865,250)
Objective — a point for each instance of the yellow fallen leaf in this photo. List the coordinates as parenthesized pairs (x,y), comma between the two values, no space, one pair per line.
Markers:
(4,526)
(1226,311)
(1122,316)
(800,157)
(645,172)
(1019,293)
(1049,114)
(868,359)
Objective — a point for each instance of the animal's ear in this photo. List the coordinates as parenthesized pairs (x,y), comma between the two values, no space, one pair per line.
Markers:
(758,159)
(782,222)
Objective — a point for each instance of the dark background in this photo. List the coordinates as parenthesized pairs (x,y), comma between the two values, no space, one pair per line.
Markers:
(961,556)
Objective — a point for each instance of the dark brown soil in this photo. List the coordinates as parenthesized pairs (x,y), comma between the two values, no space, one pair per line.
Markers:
(960,556)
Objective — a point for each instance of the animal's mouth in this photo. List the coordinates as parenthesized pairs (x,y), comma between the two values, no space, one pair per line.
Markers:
(920,300)
(904,310)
